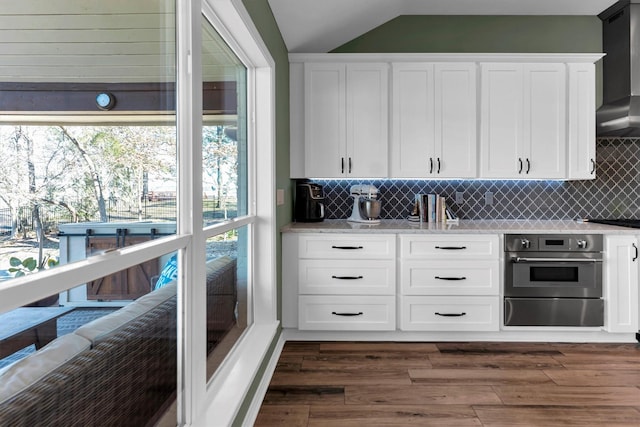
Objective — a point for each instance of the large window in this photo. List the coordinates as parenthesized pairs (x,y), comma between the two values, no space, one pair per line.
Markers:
(135,173)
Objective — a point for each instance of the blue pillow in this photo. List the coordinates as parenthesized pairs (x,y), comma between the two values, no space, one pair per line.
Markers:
(169,272)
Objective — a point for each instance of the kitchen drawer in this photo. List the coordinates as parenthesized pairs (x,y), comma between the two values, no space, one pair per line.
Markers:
(449,313)
(453,246)
(347,313)
(342,277)
(465,277)
(347,246)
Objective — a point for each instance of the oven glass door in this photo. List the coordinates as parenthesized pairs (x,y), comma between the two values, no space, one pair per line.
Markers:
(554,279)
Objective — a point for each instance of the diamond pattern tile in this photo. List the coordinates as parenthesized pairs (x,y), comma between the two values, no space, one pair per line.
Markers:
(614,193)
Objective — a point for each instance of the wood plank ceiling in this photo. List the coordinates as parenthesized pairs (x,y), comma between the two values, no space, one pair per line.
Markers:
(117,41)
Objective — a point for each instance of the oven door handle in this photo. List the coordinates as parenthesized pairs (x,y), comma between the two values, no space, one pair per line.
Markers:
(520,259)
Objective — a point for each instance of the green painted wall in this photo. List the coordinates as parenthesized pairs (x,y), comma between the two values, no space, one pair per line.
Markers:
(264,21)
(418,33)
(262,17)
(485,34)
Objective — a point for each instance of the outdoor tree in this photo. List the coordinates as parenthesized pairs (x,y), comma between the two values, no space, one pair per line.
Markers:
(33,175)
(220,161)
(115,159)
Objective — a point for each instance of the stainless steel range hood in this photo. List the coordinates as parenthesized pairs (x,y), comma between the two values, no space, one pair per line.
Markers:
(620,112)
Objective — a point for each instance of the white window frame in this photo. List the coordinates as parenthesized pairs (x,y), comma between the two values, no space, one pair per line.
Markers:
(219,401)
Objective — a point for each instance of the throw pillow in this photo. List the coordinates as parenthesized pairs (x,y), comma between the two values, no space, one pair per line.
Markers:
(169,272)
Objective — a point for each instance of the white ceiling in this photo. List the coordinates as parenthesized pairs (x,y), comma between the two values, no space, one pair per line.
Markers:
(323,25)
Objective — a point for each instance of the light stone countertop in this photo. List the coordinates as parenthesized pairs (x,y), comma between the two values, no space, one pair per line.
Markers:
(463,226)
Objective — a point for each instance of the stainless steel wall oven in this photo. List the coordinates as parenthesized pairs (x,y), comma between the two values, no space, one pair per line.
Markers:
(553,280)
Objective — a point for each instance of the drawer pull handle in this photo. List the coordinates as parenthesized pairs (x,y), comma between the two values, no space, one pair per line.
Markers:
(451,278)
(451,248)
(347,314)
(347,247)
(451,314)
(347,277)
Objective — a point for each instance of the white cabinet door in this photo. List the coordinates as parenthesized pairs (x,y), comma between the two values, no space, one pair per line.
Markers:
(413,120)
(434,120)
(523,121)
(452,247)
(325,120)
(455,120)
(346,120)
(501,120)
(367,121)
(346,277)
(346,313)
(449,313)
(621,283)
(581,152)
(347,246)
(545,138)
(445,277)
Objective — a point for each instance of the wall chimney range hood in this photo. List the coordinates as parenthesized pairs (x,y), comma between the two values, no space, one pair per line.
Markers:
(620,111)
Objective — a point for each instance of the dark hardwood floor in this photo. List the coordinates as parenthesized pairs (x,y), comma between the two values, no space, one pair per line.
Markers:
(454,384)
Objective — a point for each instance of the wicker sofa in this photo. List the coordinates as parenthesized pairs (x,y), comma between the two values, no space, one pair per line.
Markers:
(119,370)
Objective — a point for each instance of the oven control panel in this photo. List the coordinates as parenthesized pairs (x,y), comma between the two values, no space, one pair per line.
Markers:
(553,243)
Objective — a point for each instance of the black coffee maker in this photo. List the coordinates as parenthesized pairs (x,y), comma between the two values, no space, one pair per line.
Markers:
(309,206)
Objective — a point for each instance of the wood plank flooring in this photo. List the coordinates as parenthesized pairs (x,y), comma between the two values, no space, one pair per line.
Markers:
(454,384)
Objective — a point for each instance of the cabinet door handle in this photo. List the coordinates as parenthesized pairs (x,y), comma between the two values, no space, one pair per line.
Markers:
(341,164)
(451,314)
(528,166)
(347,314)
(347,277)
(451,248)
(636,255)
(430,164)
(593,166)
(438,164)
(451,278)
(349,164)
(347,247)
(520,163)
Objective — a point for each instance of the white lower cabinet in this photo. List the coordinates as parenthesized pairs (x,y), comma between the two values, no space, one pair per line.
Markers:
(449,313)
(437,283)
(449,282)
(346,313)
(621,283)
(343,282)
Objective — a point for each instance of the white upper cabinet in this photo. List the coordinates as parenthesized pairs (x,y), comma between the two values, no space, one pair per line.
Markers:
(523,120)
(581,154)
(501,120)
(346,120)
(434,120)
(452,116)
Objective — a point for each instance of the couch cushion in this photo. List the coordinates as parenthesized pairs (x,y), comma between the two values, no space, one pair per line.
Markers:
(103,327)
(221,276)
(25,372)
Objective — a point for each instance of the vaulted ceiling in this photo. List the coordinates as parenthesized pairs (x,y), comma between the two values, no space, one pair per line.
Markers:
(323,25)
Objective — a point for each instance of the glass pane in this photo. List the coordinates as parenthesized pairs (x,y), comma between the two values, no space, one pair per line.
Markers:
(228,312)
(110,363)
(224,133)
(87,124)
(88,144)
